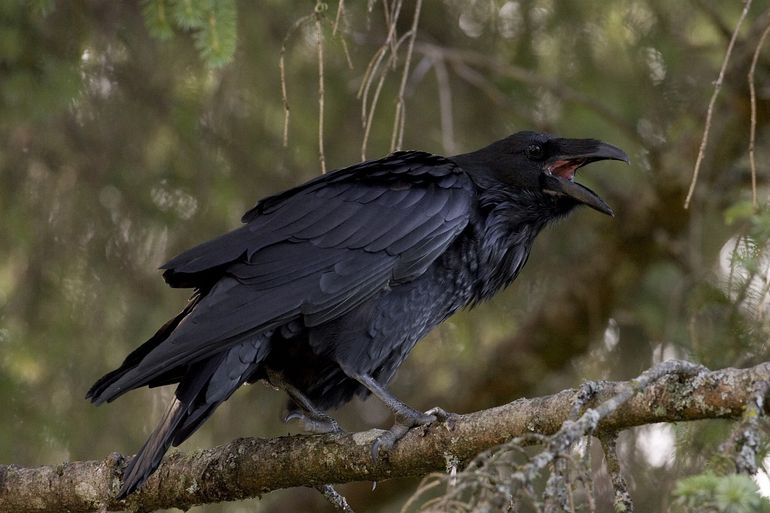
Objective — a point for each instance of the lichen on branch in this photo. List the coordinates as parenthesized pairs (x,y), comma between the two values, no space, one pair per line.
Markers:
(250,467)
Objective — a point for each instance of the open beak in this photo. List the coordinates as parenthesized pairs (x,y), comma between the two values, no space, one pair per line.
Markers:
(559,171)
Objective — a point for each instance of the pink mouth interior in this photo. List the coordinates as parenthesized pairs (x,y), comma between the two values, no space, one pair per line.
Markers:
(565,168)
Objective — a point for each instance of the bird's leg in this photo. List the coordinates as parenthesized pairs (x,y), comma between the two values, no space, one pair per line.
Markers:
(314,422)
(312,418)
(406,417)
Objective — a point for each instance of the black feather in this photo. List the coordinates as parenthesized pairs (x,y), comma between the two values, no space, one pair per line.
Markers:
(341,276)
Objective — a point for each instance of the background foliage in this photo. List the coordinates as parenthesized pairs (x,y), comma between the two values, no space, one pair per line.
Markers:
(133,130)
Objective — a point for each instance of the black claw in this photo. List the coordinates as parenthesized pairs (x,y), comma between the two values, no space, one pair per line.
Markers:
(410,418)
(385,442)
(439,413)
(405,420)
(442,415)
(376,450)
(314,423)
(292,415)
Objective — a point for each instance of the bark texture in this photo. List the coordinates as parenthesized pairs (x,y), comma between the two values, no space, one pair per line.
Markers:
(249,467)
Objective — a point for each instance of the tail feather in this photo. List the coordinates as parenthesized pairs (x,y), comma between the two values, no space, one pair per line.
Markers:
(150,455)
(96,394)
(197,417)
(205,386)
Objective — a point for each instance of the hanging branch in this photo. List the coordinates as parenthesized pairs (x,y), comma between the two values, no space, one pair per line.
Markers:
(282,68)
(712,102)
(319,9)
(622,501)
(399,120)
(389,47)
(753,134)
(445,107)
(463,57)
(335,28)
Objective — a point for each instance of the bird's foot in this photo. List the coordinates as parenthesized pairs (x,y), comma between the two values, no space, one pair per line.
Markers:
(314,423)
(447,417)
(406,419)
(441,414)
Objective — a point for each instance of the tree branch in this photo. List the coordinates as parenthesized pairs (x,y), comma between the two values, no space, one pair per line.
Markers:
(249,467)
(526,76)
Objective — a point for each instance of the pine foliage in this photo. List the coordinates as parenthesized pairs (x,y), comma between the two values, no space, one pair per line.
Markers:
(212,23)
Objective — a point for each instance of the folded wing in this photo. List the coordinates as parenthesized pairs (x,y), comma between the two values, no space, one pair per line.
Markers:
(313,253)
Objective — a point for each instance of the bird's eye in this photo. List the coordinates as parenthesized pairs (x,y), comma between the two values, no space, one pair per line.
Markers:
(535,152)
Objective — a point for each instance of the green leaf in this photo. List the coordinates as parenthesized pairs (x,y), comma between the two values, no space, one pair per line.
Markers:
(155,14)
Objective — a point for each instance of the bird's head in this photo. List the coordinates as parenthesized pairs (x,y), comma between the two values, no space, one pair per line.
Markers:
(544,163)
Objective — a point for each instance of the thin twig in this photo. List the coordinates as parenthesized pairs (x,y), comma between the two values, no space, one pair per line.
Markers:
(369,119)
(712,102)
(397,138)
(336,499)
(370,114)
(623,501)
(572,431)
(284,99)
(753,136)
(490,473)
(320,47)
(340,12)
(555,496)
(366,80)
(427,484)
(445,107)
(386,14)
(586,476)
(363,93)
(346,52)
(335,27)
(481,82)
(389,46)
(391,19)
(282,68)
(743,53)
(526,76)
(376,59)
(733,262)
(744,441)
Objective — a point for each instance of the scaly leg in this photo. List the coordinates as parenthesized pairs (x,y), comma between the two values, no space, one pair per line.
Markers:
(406,417)
(312,418)
(315,421)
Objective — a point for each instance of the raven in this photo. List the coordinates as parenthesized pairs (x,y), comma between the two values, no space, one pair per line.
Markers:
(327,287)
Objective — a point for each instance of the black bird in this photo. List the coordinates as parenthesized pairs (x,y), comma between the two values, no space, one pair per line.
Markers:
(327,287)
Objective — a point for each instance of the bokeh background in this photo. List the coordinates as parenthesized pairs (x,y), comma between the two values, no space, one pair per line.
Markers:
(130,133)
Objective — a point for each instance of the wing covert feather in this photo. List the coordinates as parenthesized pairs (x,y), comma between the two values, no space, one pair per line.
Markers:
(320,250)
